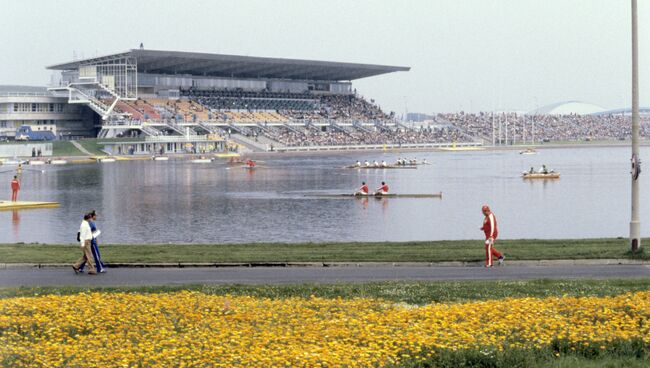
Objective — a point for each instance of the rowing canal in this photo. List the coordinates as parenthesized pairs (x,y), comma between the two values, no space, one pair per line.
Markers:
(181,202)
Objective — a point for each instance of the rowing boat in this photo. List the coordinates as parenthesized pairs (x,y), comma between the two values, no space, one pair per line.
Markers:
(551,175)
(58,162)
(390,195)
(380,167)
(201,161)
(106,160)
(161,158)
(36,162)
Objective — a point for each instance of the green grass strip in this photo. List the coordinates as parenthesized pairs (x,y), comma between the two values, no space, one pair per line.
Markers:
(617,353)
(432,251)
(419,293)
(65,148)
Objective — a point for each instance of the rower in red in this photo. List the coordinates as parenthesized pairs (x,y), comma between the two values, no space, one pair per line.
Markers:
(250,163)
(363,191)
(491,232)
(383,189)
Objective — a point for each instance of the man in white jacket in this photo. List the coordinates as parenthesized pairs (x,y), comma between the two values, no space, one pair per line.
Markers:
(85,237)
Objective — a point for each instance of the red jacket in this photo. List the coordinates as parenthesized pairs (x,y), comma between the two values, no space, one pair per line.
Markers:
(15,185)
(364,188)
(490,226)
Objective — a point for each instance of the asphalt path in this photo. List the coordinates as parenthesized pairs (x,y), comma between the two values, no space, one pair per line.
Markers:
(296,275)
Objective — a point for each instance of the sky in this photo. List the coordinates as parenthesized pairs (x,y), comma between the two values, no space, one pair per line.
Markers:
(465,55)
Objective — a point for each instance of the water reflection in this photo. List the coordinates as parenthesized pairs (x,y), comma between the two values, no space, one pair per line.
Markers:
(15,221)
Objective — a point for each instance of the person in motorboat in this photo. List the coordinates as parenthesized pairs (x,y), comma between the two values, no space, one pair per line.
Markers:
(543,170)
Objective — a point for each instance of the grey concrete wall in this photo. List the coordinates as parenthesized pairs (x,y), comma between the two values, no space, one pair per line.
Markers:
(24,149)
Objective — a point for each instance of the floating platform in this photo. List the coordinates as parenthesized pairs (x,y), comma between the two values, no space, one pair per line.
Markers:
(462,149)
(25,205)
(222,155)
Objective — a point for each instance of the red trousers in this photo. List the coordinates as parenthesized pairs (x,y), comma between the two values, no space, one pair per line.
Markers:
(14,195)
(490,253)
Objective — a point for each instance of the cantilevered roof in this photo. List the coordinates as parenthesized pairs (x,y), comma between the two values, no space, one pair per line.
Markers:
(235,66)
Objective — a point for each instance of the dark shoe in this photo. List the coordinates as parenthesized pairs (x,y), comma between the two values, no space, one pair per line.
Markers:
(76,270)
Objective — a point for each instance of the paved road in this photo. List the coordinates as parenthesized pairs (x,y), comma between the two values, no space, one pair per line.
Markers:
(287,275)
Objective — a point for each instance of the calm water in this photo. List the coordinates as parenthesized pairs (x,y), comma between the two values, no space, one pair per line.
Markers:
(180,202)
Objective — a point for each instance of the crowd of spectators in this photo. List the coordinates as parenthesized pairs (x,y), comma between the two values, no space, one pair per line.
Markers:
(329,136)
(253,100)
(297,106)
(546,128)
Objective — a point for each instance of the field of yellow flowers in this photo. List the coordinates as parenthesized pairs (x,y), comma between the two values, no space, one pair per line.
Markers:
(183,329)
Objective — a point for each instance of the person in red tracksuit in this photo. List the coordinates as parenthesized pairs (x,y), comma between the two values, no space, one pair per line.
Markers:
(491,232)
(15,187)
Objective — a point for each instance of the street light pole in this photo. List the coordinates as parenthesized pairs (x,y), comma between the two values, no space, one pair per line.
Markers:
(635,236)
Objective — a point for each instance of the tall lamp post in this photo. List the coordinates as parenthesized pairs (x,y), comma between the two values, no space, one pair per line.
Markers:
(635,225)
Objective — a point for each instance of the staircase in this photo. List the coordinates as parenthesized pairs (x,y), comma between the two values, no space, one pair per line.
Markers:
(77,95)
(294,129)
(249,143)
(210,128)
(152,132)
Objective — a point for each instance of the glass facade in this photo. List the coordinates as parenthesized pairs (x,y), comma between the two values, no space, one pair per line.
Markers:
(38,107)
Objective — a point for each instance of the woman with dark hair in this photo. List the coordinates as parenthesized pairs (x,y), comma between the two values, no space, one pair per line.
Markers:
(94,248)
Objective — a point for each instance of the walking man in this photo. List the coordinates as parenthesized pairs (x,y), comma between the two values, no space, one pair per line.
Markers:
(85,237)
(491,233)
(15,187)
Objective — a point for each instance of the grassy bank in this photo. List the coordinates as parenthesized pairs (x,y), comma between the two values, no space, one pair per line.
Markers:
(65,148)
(435,251)
(92,146)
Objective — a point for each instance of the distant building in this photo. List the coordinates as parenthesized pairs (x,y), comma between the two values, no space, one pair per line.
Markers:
(42,111)
(567,108)
(418,117)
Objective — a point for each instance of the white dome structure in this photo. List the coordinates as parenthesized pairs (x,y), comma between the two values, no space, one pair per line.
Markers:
(568,107)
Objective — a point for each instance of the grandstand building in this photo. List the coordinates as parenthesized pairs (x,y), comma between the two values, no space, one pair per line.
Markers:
(258,103)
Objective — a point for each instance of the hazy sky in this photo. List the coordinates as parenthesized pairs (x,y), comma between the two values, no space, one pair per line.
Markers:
(465,55)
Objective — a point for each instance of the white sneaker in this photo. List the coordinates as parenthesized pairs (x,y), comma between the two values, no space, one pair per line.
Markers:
(501,259)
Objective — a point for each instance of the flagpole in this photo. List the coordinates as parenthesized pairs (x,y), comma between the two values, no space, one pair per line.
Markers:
(635,225)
